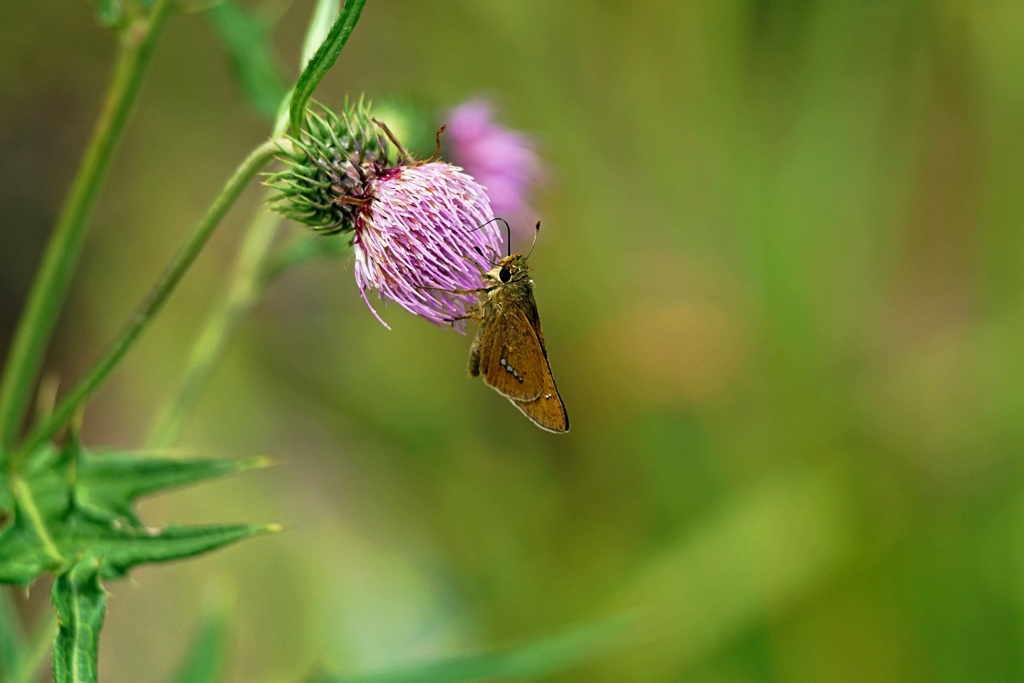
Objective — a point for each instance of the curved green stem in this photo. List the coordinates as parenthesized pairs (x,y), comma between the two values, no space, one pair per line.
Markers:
(322,61)
(54,276)
(256,160)
(327,34)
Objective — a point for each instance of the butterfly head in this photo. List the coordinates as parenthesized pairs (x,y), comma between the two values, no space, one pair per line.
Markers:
(512,268)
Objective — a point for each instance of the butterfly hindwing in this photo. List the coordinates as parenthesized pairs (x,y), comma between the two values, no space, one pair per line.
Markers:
(547,410)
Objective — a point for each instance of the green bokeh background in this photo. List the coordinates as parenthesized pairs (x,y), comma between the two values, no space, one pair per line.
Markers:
(782,290)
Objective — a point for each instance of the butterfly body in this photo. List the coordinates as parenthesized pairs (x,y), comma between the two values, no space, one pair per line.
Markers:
(509,348)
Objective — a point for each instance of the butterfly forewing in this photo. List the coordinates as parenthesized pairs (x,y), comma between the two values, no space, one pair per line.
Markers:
(511,355)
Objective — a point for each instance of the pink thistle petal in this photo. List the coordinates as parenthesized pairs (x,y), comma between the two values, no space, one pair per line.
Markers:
(421,237)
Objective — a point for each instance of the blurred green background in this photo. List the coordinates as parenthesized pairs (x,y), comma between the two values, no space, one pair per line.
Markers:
(782,290)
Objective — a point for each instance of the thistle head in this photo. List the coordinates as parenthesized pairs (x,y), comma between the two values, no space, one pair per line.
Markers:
(415,226)
(327,167)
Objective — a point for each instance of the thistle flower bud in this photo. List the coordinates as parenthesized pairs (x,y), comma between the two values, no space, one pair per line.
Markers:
(416,227)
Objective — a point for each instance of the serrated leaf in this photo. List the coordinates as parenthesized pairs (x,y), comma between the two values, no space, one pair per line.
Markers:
(114,481)
(47,476)
(246,38)
(533,660)
(81,606)
(23,555)
(131,546)
(70,503)
(120,546)
(207,657)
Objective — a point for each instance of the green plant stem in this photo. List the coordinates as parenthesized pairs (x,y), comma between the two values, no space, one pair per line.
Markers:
(54,276)
(256,160)
(325,34)
(246,285)
(322,61)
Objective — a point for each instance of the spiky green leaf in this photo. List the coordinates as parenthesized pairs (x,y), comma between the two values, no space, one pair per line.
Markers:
(125,548)
(114,481)
(69,502)
(24,553)
(121,546)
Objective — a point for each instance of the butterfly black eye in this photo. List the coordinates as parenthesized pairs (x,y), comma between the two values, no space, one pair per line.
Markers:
(504,274)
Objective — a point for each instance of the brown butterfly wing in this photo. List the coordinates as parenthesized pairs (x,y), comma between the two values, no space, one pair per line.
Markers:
(516,336)
(510,355)
(547,410)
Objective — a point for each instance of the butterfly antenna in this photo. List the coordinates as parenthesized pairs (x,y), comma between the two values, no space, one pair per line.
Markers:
(508,235)
(508,230)
(536,231)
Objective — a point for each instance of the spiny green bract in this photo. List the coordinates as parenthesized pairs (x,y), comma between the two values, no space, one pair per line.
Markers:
(331,159)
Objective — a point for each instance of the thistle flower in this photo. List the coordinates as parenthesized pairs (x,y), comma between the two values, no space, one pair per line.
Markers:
(416,227)
(419,240)
(504,161)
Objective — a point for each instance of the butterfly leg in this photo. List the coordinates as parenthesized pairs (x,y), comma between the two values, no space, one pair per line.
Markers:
(453,291)
(457,318)
(349,199)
